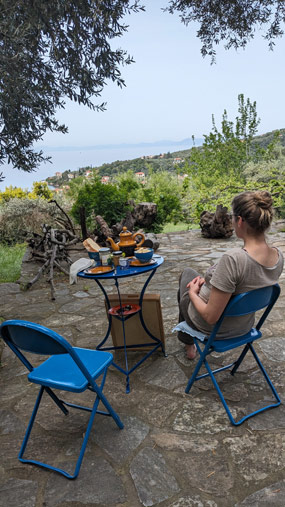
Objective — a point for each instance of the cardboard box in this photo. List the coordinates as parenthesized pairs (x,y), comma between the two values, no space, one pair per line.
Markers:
(135,333)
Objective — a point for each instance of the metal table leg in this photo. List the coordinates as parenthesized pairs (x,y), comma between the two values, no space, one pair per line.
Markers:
(157,343)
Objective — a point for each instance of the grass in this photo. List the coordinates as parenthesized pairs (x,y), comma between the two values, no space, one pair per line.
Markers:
(10,262)
(180,226)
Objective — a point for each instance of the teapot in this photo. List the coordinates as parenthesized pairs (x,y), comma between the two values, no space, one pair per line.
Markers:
(127,243)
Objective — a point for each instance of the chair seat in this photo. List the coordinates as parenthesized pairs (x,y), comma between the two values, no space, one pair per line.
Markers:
(61,372)
(230,343)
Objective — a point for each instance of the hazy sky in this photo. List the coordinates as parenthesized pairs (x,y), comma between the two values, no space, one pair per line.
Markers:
(171,91)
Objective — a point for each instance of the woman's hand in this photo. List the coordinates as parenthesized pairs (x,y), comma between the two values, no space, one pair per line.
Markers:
(195,285)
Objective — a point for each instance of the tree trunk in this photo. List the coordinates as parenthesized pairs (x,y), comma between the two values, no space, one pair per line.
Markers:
(83,223)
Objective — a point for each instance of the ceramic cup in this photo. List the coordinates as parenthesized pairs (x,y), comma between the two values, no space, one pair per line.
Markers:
(124,263)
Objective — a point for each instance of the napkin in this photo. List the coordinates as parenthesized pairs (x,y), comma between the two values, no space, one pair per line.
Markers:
(77,266)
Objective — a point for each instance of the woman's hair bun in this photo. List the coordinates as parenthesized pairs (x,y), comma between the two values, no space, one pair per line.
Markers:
(263,199)
(256,208)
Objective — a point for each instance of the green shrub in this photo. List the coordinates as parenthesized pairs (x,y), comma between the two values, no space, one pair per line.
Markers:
(107,201)
(19,218)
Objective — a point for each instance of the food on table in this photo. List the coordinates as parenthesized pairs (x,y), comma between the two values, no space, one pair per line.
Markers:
(90,245)
(142,250)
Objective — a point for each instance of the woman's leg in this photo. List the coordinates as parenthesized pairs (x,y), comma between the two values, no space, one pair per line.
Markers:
(183,300)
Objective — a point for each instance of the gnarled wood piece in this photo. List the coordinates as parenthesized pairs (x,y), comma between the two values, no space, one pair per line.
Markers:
(216,225)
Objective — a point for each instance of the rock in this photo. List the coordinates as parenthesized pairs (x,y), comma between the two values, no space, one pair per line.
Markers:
(153,480)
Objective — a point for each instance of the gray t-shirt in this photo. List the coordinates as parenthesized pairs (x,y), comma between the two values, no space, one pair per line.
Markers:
(235,273)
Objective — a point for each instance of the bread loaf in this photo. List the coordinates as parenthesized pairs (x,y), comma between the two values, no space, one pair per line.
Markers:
(90,245)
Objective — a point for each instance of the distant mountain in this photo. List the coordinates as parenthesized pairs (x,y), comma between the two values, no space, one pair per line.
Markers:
(185,142)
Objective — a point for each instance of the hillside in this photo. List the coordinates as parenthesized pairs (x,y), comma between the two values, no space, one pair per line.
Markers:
(161,162)
(265,139)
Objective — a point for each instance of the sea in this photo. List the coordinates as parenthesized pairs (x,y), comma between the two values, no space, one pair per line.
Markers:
(65,158)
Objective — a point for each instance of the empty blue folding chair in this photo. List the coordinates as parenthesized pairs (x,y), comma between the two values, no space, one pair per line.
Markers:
(68,368)
(242,304)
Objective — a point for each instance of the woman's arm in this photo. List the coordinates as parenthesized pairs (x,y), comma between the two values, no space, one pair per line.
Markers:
(212,310)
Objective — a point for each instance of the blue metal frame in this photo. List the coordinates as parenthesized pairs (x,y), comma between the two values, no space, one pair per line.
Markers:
(116,275)
(69,368)
(242,304)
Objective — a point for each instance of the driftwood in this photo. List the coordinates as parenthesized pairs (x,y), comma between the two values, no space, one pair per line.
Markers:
(51,249)
(105,232)
(142,216)
(216,225)
(65,220)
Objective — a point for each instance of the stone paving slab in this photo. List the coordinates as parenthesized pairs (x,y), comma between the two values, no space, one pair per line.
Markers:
(176,450)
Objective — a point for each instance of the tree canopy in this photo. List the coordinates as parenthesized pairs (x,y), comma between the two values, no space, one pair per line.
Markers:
(231,21)
(51,51)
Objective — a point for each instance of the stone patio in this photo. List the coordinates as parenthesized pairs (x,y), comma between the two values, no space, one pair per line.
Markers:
(176,450)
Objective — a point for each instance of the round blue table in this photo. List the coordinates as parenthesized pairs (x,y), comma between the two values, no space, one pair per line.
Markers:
(116,275)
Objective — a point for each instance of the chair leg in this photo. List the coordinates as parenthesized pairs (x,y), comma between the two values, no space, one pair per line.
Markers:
(30,425)
(195,373)
(58,402)
(99,396)
(240,359)
(252,414)
(265,374)
(82,450)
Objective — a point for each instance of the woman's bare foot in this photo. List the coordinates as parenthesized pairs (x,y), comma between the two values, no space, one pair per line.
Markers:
(191,351)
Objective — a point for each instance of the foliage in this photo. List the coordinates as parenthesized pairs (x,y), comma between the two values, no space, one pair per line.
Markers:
(49,51)
(229,149)
(232,21)
(128,184)
(217,170)
(12,193)
(163,189)
(40,189)
(75,185)
(20,218)
(100,199)
(198,196)
(11,261)
(111,201)
(271,173)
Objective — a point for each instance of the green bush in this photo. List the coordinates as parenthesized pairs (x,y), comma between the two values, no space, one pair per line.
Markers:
(163,189)
(107,201)
(19,218)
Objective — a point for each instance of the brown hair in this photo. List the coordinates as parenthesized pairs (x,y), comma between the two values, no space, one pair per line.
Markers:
(255,208)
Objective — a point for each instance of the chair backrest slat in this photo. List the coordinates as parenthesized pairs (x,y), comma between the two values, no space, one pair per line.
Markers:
(250,302)
(246,303)
(34,338)
(21,335)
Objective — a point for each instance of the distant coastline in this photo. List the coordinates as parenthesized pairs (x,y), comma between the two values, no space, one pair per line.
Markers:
(187,143)
(74,157)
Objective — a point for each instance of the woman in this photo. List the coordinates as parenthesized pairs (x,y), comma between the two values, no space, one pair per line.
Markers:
(255,265)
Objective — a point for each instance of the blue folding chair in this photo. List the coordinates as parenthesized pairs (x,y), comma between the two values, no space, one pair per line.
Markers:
(242,304)
(68,368)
